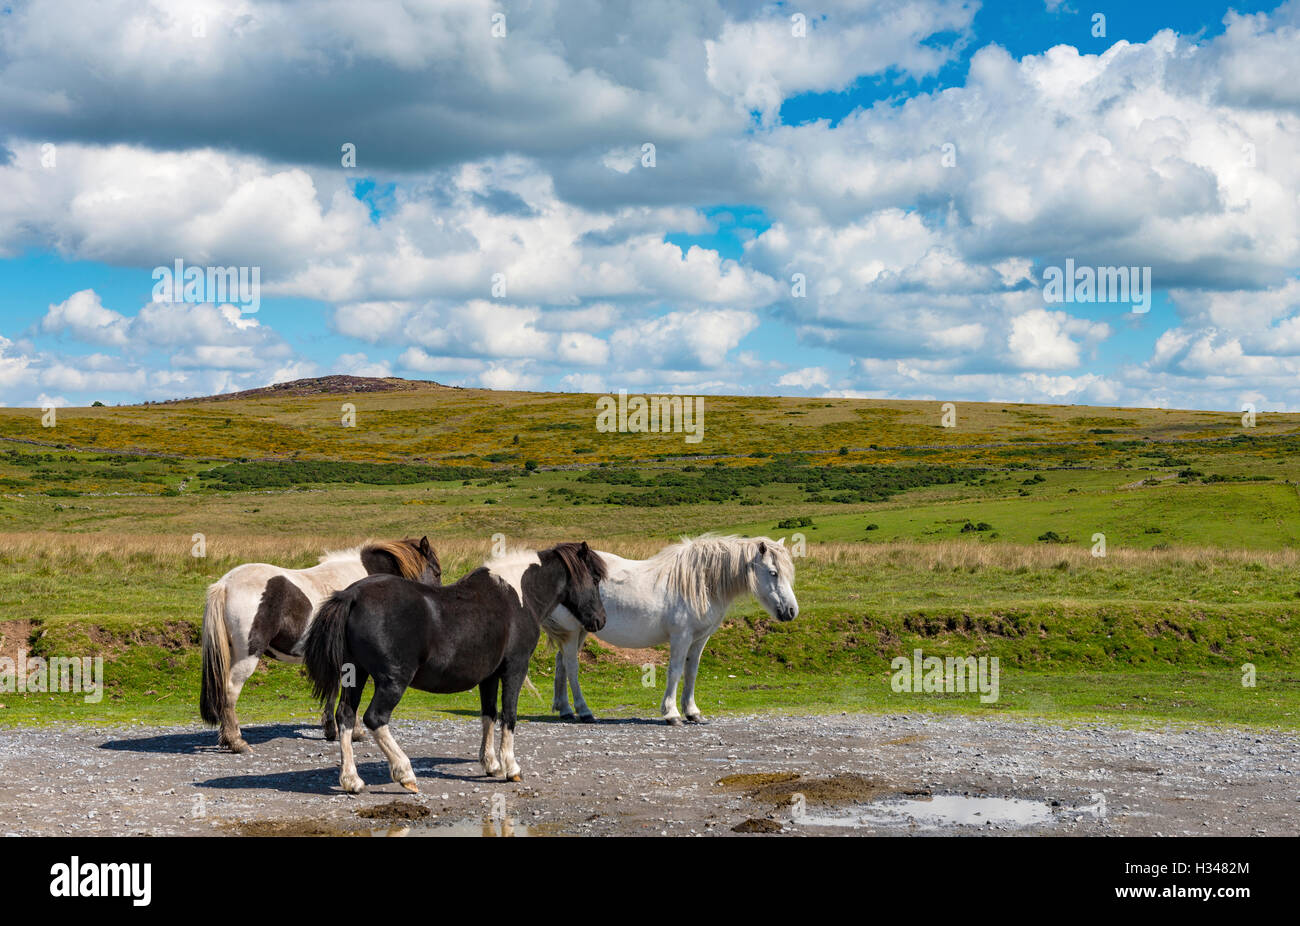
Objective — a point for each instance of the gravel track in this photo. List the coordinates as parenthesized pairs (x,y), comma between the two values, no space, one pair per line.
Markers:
(641,777)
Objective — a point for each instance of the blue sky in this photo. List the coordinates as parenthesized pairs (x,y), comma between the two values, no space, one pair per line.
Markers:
(863,202)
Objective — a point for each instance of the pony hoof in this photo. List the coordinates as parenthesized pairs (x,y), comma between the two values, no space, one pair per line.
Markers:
(695,718)
(587,718)
(352,785)
(568,718)
(239,746)
(516,777)
(673,721)
(359,736)
(411,786)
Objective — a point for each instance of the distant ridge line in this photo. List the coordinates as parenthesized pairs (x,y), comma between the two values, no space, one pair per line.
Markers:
(337,383)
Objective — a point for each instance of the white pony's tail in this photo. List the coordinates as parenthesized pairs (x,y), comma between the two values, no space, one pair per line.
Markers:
(216,655)
(528,683)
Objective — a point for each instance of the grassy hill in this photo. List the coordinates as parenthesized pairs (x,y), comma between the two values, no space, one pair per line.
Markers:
(971,540)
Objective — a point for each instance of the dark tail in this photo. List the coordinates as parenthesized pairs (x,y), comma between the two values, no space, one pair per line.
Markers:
(326,647)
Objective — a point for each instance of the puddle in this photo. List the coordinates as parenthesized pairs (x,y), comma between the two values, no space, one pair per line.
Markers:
(941,810)
(471,829)
(401,826)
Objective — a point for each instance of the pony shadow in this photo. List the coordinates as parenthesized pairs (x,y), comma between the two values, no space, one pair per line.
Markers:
(199,741)
(531,718)
(623,722)
(325,780)
(555,719)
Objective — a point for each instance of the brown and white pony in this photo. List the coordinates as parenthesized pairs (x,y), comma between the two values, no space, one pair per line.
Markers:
(258,609)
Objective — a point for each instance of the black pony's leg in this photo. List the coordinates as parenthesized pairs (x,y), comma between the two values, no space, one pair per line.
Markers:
(512,681)
(359,727)
(327,724)
(349,700)
(487,754)
(388,691)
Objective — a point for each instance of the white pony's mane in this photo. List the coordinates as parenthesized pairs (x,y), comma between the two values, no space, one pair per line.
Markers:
(511,565)
(333,556)
(712,569)
(514,556)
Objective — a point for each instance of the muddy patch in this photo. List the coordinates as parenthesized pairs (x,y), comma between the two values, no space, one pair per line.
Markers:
(754,825)
(394,810)
(14,638)
(605,653)
(781,787)
(285,828)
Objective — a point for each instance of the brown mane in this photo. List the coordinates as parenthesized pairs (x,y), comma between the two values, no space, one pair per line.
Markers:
(405,552)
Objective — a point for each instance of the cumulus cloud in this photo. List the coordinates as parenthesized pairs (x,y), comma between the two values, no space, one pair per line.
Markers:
(691,340)
(500,228)
(807,378)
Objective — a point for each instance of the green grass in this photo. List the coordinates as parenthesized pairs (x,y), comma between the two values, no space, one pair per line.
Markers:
(159,686)
(1149,635)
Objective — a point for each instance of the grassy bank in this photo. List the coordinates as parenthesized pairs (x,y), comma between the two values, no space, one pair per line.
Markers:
(1138,634)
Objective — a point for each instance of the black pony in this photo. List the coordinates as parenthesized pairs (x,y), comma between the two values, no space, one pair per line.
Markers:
(479,631)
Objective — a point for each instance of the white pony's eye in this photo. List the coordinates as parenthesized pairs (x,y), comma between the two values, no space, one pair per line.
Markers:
(773,572)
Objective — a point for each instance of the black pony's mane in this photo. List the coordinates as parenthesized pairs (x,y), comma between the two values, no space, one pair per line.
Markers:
(580,567)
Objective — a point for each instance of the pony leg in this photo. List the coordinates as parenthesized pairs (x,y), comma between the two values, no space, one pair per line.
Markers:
(511,684)
(387,694)
(349,780)
(399,766)
(327,724)
(230,735)
(692,712)
(676,665)
(487,695)
(349,700)
(560,703)
(359,727)
(571,670)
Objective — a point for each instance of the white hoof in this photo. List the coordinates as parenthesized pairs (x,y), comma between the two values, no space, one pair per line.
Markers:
(352,783)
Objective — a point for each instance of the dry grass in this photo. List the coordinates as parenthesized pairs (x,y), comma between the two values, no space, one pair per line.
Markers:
(460,553)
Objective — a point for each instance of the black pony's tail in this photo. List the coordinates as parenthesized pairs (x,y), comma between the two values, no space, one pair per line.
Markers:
(326,648)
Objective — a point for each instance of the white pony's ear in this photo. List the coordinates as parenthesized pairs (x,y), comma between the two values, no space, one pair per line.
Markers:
(781,542)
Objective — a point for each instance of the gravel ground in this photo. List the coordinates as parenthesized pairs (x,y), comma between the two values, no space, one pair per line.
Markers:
(768,773)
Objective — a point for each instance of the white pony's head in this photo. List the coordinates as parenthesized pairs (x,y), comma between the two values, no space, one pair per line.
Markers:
(771,577)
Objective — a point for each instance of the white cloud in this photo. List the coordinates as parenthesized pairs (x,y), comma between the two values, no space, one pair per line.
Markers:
(807,378)
(1042,340)
(360,365)
(696,339)
(84,317)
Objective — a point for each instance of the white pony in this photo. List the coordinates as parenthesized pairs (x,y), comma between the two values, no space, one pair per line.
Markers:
(679,596)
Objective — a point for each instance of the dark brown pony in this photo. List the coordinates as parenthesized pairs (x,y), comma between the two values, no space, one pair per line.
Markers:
(480,631)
